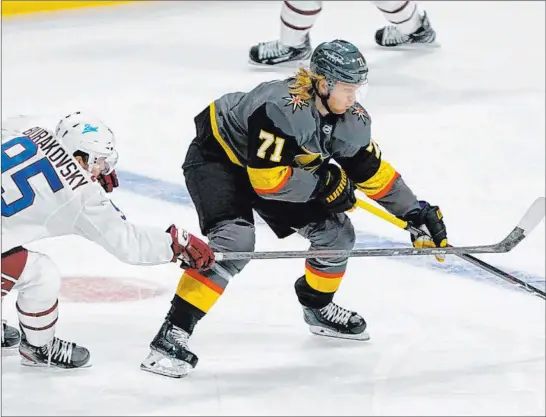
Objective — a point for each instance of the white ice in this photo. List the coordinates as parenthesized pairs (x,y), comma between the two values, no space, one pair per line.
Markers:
(463,123)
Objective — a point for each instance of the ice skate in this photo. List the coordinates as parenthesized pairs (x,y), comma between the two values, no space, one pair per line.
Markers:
(390,36)
(169,354)
(57,353)
(335,321)
(275,53)
(10,337)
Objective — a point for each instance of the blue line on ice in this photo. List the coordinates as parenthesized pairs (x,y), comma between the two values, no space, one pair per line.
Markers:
(177,194)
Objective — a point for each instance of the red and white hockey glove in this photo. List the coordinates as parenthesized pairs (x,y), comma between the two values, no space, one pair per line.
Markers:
(108,182)
(192,251)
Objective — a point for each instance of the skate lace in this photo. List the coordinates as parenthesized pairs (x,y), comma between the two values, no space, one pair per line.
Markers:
(393,36)
(180,336)
(336,314)
(59,350)
(272,49)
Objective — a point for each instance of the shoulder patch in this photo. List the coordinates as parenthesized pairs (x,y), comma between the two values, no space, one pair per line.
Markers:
(296,102)
(358,111)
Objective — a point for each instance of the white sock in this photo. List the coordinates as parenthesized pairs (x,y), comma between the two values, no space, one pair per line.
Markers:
(297,19)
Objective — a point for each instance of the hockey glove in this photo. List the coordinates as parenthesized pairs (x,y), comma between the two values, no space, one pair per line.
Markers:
(430,220)
(108,182)
(192,251)
(335,190)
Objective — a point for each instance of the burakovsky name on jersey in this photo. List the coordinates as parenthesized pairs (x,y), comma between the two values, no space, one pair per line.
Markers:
(69,169)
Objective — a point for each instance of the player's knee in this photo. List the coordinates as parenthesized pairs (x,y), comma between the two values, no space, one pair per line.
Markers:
(42,280)
(236,235)
(346,237)
(338,233)
(14,263)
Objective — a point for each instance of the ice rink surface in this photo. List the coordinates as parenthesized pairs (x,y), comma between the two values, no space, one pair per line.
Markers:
(463,123)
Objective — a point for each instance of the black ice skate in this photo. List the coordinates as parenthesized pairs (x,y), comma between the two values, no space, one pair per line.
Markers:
(169,354)
(10,337)
(58,353)
(390,36)
(275,53)
(335,321)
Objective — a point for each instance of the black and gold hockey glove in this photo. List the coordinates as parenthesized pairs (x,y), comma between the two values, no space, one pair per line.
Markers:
(335,190)
(431,221)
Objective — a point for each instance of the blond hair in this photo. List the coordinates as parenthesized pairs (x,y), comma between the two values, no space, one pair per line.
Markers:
(303,84)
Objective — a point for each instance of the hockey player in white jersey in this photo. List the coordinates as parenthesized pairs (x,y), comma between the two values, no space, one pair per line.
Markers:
(408,25)
(53,184)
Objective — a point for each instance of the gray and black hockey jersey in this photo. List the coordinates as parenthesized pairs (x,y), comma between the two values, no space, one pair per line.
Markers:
(282,140)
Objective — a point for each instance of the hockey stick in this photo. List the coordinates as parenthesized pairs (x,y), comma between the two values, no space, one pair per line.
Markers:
(530,220)
(469,258)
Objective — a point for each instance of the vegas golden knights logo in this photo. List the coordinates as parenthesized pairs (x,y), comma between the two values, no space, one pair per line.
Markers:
(359,112)
(296,102)
(309,161)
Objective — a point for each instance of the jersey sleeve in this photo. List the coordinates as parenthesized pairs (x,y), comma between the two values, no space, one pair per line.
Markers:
(100,221)
(378,179)
(271,153)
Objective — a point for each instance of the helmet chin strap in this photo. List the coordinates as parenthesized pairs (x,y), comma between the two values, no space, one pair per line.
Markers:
(324,101)
(324,97)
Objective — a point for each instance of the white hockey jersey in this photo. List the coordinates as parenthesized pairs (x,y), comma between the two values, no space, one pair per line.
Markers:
(46,193)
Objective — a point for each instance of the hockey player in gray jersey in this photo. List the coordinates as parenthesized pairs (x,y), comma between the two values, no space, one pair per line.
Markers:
(272,150)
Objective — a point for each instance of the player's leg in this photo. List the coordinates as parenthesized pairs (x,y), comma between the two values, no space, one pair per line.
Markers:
(322,277)
(38,281)
(228,224)
(218,190)
(297,19)
(10,335)
(409,24)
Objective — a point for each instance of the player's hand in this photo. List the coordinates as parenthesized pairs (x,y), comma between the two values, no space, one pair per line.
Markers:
(336,191)
(430,220)
(108,182)
(191,250)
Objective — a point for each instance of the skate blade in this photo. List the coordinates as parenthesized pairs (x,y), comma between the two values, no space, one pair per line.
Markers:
(158,363)
(291,65)
(412,46)
(33,364)
(321,331)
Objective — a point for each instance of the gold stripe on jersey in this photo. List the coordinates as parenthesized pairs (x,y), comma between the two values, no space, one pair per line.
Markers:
(323,281)
(269,180)
(198,290)
(380,183)
(216,134)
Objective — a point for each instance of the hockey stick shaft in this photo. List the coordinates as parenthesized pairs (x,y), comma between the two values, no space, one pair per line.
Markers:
(507,244)
(504,275)
(532,217)
(405,251)
(469,258)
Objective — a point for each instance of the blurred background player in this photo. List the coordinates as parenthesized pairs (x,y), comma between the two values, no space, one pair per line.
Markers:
(269,150)
(50,187)
(408,25)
